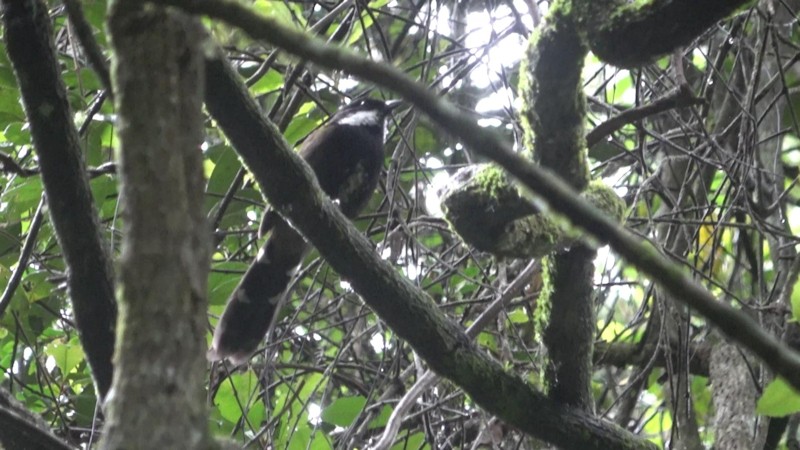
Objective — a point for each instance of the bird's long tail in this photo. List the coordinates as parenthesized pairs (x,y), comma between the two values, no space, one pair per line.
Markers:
(254,303)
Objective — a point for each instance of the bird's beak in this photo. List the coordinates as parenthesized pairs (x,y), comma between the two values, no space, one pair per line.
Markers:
(392,104)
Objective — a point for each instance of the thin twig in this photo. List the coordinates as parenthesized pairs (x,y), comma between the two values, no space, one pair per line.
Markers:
(429,378)
(24,257)
(83,30)
(680,97)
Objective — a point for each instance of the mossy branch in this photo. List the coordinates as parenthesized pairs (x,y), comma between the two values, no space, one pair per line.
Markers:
(488,211)
(639,252)
(632,34)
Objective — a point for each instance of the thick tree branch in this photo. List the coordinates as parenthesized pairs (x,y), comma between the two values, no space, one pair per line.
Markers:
(19,429)
(29,41)
(553,116)
(632,34)
(157,72)
(408,311)
(561,198)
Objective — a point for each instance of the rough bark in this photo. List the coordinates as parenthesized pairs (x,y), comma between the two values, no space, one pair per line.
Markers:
(29,41)
(734,397)
(632,34)
(158,396)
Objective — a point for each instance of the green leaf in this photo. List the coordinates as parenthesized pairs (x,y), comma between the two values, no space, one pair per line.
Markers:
(37,285)
(270,82)
(796,300)
(487,340)
(320,442)
(344,410)
(17,133)
(226,164)
(234,395)
(358,32)
(300,128)
(280,11)
(425,140)
(382,419)
(223,279)
(22,196)
(67,355)
(256,412)
(104,188)
(778,400)
(618,90)
(95,12)
(518,316)
(9,237)
(306,438)
(414,441)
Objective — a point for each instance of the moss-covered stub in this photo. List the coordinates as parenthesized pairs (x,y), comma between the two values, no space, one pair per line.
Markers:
(479,203)
(605,199)
(489,213)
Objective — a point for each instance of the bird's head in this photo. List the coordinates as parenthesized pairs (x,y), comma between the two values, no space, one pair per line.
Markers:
(368,112)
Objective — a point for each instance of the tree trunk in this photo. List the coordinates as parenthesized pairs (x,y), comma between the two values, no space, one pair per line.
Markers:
(157,398)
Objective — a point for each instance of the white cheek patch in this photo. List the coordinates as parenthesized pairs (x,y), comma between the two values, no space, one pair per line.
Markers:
(361,118)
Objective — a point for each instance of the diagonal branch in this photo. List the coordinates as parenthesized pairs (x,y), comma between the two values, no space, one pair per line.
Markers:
(404,307)
(680,97)
(561,198)
(19,428)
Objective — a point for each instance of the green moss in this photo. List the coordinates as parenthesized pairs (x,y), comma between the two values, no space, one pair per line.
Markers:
(541,319)
(529,237)
(542,313)
(630,34)
(480,203)
(493,181)
(553,108)
(605,199)
(489,213)
(527,89)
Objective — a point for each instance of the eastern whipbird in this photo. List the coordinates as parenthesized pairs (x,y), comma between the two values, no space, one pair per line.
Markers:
(346,155)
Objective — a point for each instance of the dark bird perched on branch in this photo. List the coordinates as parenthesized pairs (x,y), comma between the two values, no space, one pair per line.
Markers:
(346,155)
